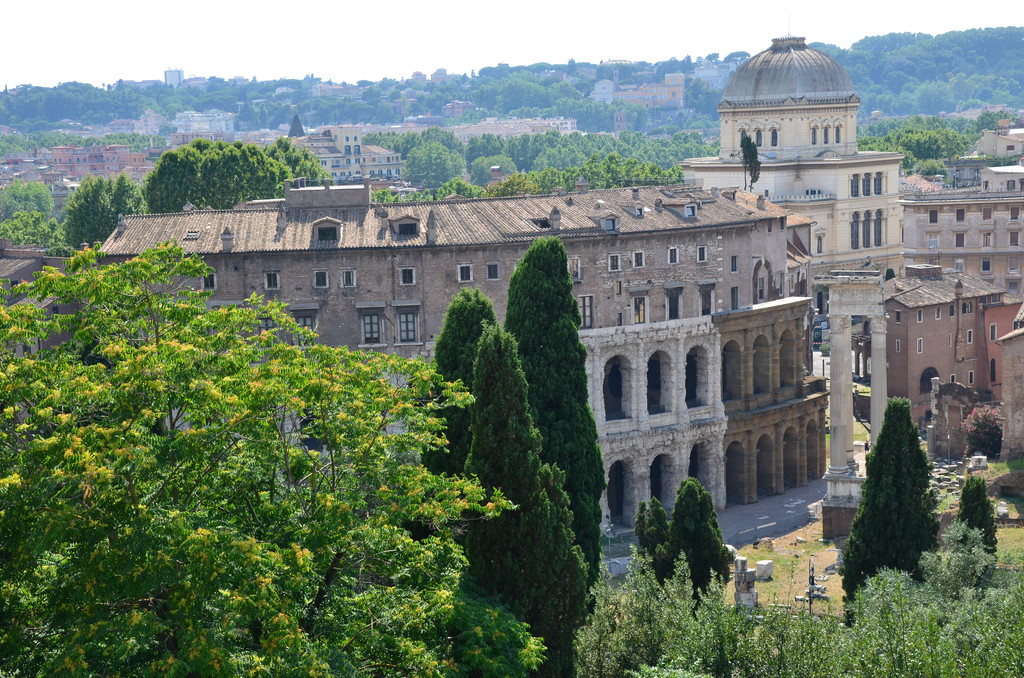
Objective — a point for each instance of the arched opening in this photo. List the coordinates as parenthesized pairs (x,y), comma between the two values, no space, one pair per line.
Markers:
(616,389)
(762,368)
(765,466)
(731,367)
(789,356)
(661,478)
(735,480)
(696,377)
(617,491)
(699,466)
(926,379)
(791,475)
(658,391)
(815,459)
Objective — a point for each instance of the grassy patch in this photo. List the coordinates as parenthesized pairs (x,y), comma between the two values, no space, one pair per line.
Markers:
(1010,550)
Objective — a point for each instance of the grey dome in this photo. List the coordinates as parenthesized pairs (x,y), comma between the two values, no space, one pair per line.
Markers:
(789,69)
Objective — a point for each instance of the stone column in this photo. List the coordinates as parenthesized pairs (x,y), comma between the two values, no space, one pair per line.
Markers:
(840,396)
(879,381)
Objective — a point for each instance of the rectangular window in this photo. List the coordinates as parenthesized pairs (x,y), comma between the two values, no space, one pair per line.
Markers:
(938,313)
(702,253)
(734,297)
(960,214)
(638,259)
(407,325)
(986,239)
(952,378)
(898,345)
(970,336)
(706,300)
(613,262)
(673,255)
(878,176)
(672,303)
(348,277)
(1013,264)
(272,280)
(371,328)
(933,216)
(933,242)
(618,287)
(920,345)
(407,276)
(952,310)
(575,269)
(970,377)
(307,322)
(1014,213)
(986,265)
(920,315)
(986,213)
(1015,238)
(210,281)
(327,233)
(992,332)
(1014,286)
(899,317)
(734,263)
(320,279)
(586,312)
(465,272)
(959,239)
(951,340)
(492,271)
(958,265)
(639,310)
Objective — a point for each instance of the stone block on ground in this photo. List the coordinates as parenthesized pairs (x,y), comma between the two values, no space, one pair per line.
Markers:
(764,569)
(1002,511)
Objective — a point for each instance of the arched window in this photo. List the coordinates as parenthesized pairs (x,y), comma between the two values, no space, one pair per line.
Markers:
(867,184)
(758,139)
(867,230)
(854,185)
(878,183)
(820,243)
(855,231)
(926,379)
(814,136)
(878,228)
(839,131)
(824,136)
(775,137)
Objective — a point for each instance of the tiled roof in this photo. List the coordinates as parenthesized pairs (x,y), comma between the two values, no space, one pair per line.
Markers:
(915,293)
(458,222)
(9,268)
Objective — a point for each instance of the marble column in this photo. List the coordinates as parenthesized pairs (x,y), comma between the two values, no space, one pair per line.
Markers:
(840,396)
(879,382)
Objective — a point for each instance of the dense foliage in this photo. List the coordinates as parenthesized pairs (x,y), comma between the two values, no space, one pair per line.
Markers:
(976,511)
(894,523)
(24,196)
(160,512)
(694,534)
(543,316)
(983,431)
(651,529)
(525,557)
(92,211)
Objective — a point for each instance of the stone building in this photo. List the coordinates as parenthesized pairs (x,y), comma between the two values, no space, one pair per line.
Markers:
(800,108)
(978,233)
(695,354)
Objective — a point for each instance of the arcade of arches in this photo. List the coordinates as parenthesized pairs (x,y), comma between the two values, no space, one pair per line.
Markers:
(724,400)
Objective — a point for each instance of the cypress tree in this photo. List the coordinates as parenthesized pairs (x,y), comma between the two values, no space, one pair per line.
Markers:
(468,312)
(543,316)
(894,524)
(976,511)
(695,533)
(525,557)
(651,530)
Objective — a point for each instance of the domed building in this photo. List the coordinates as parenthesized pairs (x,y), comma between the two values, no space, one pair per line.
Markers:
(800,108)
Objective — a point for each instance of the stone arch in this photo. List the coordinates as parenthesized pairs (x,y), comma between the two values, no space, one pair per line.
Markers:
(616,389)
(762,365)
(618,493)
(789,360)
(696,377)
(926,379)
(732,368)
(791,475)
(765,465)
(735,473)
(661,479)
(815,466)
(659,391)
(700,466)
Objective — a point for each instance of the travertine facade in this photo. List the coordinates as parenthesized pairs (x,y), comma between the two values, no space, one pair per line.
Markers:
(676,287)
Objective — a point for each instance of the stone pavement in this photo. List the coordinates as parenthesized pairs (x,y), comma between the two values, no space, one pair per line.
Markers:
(772,516)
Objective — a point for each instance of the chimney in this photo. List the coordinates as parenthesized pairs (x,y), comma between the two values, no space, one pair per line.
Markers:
(327,182)
(282,218)
(924,271)
(187,207)
(582,185)
(431,228)
(658,204)
(227,239)
(636,194)
(496,176)
(287,186)
(760,202)
(120,224)
(555,219)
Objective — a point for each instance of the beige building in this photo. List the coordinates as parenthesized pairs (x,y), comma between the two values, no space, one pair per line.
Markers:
(695,354)
(343,154)
(1002,142)
(979,233)
(800,108)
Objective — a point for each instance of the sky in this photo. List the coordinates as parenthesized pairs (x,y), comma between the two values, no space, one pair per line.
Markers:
(102,42)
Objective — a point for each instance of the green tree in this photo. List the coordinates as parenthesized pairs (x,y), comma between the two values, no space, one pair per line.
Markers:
(431,164)
(983,432)
(299,161)
(216,175)
(459,186)
(480,169)
(159,512)
(33,228)
(25,196)
(651,530)
(751,164)
(543,316)
(455,352)
(92,210)
(695,534)
(516,184)
(894,523)
(976,511)
(525,557)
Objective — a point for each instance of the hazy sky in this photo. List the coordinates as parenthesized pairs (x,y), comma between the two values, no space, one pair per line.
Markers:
(100,42)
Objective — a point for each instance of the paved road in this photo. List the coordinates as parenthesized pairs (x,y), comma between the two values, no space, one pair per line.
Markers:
(772,516)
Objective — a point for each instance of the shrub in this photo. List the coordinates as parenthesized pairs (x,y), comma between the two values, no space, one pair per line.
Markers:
(984,432)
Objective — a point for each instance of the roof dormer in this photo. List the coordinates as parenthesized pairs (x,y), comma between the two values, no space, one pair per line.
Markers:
(327,230)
